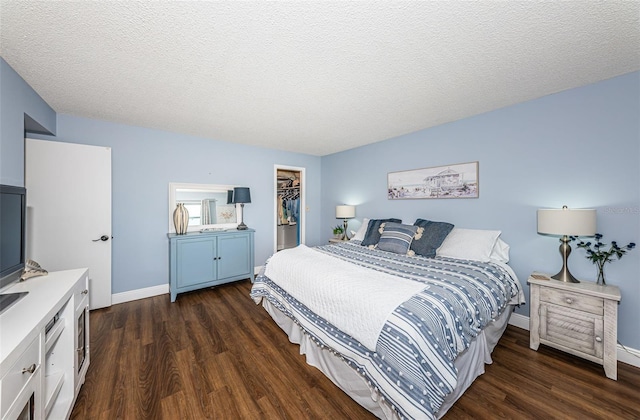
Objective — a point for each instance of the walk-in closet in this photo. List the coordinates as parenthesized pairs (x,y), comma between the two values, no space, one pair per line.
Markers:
(288,209)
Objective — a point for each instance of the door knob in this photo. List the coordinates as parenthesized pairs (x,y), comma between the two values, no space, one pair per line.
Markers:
(103,238)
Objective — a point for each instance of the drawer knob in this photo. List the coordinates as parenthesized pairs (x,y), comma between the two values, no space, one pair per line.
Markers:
(85,291)
(598,339)
(569,301)
(30,369)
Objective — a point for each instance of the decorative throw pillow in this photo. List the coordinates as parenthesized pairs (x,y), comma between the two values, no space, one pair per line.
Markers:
(432,237)
(397,238)
(373,235)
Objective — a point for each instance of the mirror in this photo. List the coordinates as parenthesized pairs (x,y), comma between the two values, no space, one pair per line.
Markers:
(207,206)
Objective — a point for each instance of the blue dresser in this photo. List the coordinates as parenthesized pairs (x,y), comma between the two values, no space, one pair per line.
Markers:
(205,259)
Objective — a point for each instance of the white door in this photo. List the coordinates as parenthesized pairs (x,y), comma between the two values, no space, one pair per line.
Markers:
(69,211)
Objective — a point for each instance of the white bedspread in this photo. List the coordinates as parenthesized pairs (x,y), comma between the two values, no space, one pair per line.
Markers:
(335,290)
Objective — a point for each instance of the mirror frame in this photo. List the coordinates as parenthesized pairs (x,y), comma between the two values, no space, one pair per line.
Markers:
(216,188)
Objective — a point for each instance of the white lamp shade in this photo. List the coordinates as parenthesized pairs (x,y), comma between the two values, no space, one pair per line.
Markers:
(345,212)
(565,221)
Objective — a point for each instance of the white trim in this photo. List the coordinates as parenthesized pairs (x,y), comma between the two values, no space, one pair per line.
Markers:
(303,202)
(152,291)
(629,356)
(139,294)
(519,321)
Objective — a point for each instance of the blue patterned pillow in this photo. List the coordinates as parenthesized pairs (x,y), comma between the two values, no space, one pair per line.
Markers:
(397,238)
(432,237)
(373,231)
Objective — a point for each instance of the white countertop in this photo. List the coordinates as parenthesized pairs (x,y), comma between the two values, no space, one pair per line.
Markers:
(24,320)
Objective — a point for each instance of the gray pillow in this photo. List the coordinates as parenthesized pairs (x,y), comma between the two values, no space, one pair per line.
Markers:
(372,237)
(432,237)
(397,237)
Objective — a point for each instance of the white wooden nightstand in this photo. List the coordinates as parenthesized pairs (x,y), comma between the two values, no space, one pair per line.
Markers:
(578,318)
(336,241)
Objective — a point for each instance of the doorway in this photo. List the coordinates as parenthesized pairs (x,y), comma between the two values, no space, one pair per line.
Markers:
(289,206)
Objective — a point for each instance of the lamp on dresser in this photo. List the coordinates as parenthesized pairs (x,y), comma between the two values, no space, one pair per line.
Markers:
(241,195)
(345,212)
(566,222)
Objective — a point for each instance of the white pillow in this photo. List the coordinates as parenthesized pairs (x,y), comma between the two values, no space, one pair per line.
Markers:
(359,235)
(469,244)
(500,252)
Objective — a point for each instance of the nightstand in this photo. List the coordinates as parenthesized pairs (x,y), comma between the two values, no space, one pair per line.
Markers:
(336,241)
(578,318)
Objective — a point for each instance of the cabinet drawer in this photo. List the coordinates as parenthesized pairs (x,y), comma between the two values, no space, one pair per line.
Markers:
(579,302)
(15,380)
(80,291)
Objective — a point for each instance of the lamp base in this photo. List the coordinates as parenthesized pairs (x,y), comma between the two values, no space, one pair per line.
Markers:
(564,274)
(345,237)
(242,226)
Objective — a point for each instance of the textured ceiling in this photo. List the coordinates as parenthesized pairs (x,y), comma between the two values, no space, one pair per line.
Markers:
(311,77)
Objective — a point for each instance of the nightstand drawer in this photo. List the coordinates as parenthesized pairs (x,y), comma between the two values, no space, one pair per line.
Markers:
(579,302)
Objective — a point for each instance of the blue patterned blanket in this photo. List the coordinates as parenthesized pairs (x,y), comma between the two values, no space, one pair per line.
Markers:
(412,366)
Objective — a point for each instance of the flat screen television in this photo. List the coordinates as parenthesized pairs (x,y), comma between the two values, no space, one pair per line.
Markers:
(13,212)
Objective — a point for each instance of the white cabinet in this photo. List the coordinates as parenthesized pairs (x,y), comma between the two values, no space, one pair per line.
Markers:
(578,318)
(19,387)
(44,346)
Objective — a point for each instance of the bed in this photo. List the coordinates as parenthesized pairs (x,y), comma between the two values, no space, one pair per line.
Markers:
(403,334)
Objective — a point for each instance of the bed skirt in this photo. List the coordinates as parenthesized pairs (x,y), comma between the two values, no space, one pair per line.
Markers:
(470,363)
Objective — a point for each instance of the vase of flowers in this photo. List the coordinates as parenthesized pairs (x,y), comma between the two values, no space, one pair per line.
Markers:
(600,254)
(338,231)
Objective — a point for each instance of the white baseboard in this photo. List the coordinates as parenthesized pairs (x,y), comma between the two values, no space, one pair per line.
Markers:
(150,291)
(629,356)
(139,294)
(519,321)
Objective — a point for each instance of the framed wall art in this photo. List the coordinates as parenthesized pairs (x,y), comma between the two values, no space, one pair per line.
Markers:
(459,180)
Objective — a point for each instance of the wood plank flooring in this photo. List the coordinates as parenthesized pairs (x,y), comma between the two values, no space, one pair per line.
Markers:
(215,354)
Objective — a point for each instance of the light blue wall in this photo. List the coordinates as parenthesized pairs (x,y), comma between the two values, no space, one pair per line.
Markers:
(579,147)
(17,98)
(144,161)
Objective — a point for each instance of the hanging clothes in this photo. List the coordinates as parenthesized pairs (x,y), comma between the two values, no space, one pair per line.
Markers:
(288,205)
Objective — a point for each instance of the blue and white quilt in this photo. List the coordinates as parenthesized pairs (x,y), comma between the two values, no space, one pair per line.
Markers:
(399,321)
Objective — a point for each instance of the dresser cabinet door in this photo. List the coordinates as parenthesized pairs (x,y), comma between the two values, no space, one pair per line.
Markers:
(234,256)
(197,261)
(577,330)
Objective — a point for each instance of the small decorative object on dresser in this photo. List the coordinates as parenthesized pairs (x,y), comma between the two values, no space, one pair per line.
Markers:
(600,255)
(578,318)
(181,219)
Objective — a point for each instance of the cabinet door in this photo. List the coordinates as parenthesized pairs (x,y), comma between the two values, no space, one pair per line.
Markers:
(234,255)
(197,261)
(580,331)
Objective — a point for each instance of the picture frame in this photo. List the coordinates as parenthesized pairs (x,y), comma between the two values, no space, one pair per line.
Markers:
(460,180)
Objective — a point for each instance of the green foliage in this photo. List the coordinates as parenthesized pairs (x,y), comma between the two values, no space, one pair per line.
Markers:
(598,252)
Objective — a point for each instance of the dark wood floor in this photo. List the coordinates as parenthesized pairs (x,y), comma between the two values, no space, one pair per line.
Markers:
(215,354)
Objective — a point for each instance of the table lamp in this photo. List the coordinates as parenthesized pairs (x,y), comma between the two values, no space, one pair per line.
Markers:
(241,195)
(345,212)
(566,222)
